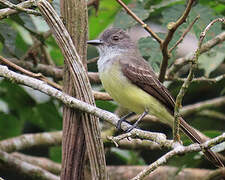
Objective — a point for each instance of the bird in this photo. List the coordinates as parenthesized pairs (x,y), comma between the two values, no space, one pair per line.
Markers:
(131,81)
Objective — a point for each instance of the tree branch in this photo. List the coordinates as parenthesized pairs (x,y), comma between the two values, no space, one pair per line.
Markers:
(172,27)
(159,138)
(184,34)
(200,79)
(179,63)
(47,139)
(20,7)
(33,172)
(145,26)
(127,172)
(194,108)
(189,79)
(31,140)
(50,71)
(38,76)
(177,150)
(82,106)
(41,162)
(217,174)
(8,11)
(97,95)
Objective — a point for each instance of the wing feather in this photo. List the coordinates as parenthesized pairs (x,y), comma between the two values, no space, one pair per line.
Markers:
(142,75)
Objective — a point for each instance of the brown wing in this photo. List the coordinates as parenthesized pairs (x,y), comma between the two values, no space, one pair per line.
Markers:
(141,74)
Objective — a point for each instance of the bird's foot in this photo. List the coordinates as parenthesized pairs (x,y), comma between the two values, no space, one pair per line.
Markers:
(136,123)
(118,126)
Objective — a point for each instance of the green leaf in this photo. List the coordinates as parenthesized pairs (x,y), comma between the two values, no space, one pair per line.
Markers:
(57,56)
(124,20)
(206,16)
(39,24)
(212,133)
(210,61)
(217,5)
(10,125)
(17,100)
(171,14)
(150,50)
(8,38)
(106,14)
(56,154)
(22,40)
(129,157)
(25,21)
(51,119)
(44,115)
(187,160)
(54,51)
(107,105)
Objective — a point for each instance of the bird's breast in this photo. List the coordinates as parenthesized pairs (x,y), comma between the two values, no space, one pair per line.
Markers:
(121,89)
(129,95)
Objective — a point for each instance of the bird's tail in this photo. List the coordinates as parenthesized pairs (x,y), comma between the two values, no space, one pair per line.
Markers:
(194,136)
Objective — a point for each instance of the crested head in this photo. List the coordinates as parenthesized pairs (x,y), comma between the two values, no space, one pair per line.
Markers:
(116,37)
(113,39)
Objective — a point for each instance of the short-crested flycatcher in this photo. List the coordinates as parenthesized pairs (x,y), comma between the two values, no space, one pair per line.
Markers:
(129,79)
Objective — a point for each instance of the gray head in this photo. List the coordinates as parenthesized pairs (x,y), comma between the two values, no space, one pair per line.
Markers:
(113,39)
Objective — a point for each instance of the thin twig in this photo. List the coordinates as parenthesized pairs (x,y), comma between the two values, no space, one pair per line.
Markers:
(101,96)
(184,34)
(164,45)
(198,107)
(20,8)
(36,45)
(212,114)
(4,13)
(177,150)
(144,25)
(97,95)
(93,60)
(189,79)
(94,3)
(51,71)
(179,63)
(198,80)
(38,75)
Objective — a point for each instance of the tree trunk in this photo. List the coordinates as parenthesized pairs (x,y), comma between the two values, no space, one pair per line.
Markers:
(74,13)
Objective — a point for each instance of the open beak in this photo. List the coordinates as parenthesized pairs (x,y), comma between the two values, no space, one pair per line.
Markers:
(95,42)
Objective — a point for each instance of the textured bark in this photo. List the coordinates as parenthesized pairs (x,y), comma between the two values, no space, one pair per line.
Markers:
(161,173)
(73,142)
(75,123)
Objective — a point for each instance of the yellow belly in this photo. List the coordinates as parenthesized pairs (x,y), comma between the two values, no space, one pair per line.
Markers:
(131,96)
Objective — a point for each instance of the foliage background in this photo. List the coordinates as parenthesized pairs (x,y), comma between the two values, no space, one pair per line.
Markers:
(23,110)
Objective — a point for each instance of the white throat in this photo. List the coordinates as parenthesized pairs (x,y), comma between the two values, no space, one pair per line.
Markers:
(106,55)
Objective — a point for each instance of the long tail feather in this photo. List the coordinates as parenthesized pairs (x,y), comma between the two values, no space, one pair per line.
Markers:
(194,136)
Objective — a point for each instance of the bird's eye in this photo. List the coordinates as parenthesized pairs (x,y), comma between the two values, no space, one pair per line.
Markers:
(115,38)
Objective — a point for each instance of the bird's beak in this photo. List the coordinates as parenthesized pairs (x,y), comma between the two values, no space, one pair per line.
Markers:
(95,42)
